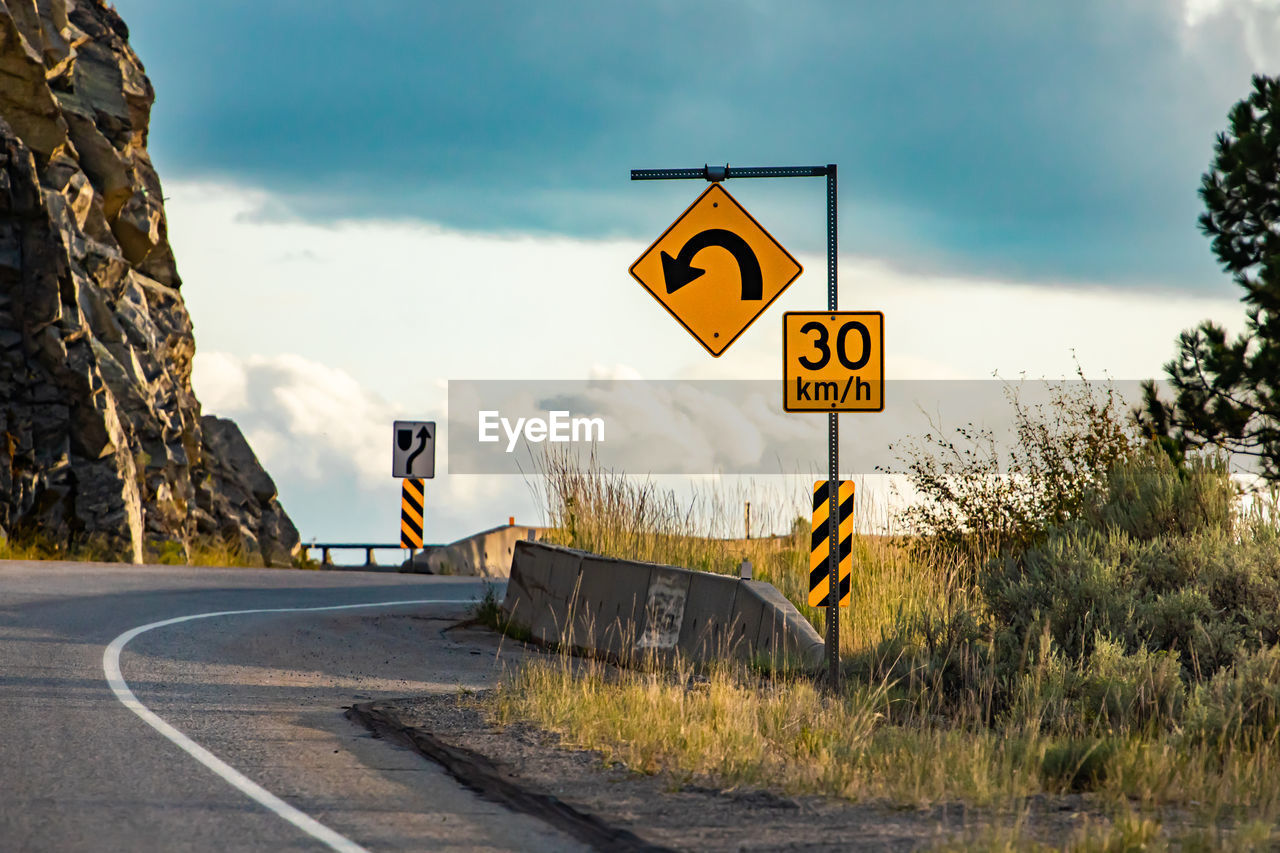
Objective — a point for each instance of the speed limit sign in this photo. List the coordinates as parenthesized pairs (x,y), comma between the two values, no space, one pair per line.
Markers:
(833,361)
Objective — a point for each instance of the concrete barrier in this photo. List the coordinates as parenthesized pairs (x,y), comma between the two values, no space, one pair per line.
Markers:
(623,608)
(486,554)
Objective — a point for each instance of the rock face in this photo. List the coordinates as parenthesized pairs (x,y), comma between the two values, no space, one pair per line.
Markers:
(102,442)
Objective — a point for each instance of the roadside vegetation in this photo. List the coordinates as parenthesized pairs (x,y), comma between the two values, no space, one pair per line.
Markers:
(1082,615)
(1090,615)
(213,554)
(168,553)
(37,546)
(614,515)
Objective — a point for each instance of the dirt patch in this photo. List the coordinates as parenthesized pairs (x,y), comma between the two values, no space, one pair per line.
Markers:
(656,812)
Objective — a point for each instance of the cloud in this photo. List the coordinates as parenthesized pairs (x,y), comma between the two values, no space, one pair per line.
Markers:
(402,307)
(326,441)
(316,336)
(1043,142)
(1256,24)
(222,382)
(711,428)
(305,420)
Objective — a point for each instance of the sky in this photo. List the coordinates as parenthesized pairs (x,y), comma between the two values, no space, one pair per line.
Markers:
(368,201)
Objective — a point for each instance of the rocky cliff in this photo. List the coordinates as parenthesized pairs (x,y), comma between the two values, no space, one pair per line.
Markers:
(102,443)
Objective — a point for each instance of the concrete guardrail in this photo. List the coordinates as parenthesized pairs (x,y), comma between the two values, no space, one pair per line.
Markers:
(487,554)
(622,608)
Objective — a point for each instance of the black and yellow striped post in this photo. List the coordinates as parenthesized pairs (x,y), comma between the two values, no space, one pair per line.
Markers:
(820,543)
(411,512)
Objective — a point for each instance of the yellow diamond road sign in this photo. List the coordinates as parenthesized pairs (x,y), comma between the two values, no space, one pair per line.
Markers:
(716,269)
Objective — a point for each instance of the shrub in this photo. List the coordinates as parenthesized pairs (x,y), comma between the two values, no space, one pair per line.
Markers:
(1156,564)
(1106,592)
(488,610)
(1122,691)
(166,552)
(987,502)
(1241,703)
(1147,496)
(1112,691)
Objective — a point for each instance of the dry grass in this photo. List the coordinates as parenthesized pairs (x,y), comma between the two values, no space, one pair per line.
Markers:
(40,547)
(211,554)
(732,731)
(221,555)
(733,728)
(894,734)
(614,515)
(10,550)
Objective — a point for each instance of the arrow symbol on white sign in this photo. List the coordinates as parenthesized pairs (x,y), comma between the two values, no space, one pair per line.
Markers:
(423,437)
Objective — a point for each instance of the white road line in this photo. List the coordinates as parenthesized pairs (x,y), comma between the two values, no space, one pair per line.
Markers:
(233,777)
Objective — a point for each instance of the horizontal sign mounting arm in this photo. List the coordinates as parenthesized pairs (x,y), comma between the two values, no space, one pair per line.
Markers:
(716,173)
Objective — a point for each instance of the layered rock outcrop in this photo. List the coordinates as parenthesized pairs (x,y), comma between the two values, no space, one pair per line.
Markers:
(102,442)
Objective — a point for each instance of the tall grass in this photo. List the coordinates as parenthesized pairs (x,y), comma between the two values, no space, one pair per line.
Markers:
(784,734)
(612,514)
(1085,615)
(732,729)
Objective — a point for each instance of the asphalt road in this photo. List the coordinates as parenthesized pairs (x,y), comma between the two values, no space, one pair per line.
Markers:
(259,696)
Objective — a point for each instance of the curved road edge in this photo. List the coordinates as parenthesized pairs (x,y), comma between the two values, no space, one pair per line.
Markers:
(233,777)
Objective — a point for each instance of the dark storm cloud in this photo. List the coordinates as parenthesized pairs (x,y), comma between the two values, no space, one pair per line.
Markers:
(1043,141)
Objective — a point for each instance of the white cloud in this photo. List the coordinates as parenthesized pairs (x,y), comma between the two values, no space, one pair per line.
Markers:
(315,337)
(326,441)
(402,306)
(305,420)
(945,327)
(1256,23)
(220,381)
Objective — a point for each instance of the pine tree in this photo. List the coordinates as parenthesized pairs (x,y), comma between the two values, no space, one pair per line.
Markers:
(1227,392)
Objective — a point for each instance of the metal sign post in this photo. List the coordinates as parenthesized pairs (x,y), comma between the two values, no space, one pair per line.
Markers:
(723,173)
(833,462)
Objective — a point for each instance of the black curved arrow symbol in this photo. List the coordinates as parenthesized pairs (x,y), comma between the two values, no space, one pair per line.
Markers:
(423,437)
(679,270)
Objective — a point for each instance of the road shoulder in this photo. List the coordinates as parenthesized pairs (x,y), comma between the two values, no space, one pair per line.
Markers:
(656,811)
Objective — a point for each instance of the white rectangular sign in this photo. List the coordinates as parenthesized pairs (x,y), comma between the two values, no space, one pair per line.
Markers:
(413,449)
